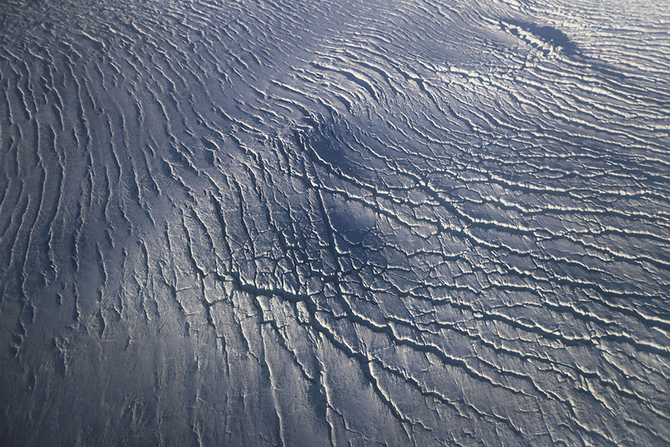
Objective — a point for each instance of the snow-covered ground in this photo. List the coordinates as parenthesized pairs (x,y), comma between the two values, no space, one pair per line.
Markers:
(347,222)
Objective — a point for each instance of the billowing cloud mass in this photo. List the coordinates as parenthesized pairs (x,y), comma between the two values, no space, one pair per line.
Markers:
(339,222)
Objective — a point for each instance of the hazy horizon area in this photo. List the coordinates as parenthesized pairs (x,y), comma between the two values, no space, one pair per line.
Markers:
(334,222)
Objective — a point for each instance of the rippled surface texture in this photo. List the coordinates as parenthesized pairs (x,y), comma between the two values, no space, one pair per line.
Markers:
(346,222)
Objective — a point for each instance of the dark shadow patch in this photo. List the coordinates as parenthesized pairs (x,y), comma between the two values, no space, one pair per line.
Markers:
(548,34)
